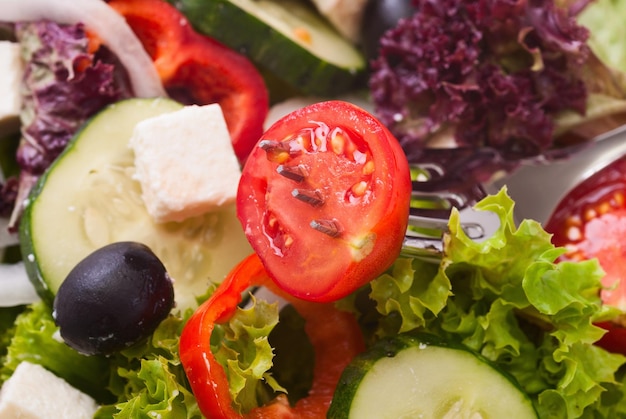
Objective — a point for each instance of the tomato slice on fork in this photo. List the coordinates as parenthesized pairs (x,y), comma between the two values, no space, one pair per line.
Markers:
(324,200)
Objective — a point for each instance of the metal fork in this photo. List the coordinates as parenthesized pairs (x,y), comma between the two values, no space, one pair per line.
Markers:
(536,185)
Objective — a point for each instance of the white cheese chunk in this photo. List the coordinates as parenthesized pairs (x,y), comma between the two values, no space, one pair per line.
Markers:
(185,163)
(11,73)
(33,392)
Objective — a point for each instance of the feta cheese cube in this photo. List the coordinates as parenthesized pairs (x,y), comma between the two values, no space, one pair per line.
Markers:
(11,73)
(33,392)
(185,163)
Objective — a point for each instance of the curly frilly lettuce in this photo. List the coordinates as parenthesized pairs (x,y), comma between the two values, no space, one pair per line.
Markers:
(35,339)
(242,346)
(508,299)
(148,379)
(134,383)
(495,82)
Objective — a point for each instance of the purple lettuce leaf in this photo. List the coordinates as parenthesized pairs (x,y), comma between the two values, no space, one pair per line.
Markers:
(64,84)
(493,75)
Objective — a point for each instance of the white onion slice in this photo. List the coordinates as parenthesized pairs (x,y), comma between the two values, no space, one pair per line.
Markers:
(100,18)
(6,239)
(15,287)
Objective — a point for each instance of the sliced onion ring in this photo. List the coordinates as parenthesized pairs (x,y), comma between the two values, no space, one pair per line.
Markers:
(103,20)
(15,287)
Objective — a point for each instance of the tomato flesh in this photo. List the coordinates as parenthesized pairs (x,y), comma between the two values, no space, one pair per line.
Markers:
(324,200)
(591,223)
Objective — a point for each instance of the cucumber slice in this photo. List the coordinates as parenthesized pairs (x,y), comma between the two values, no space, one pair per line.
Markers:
(285,37)
(88,198)
(420,376)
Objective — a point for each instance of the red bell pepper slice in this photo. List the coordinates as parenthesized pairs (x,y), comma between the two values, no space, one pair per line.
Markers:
(196,69)
(334,334)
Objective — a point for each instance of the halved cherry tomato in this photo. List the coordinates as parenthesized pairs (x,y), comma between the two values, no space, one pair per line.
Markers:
(334,334)
(591,223)
(324,200)
(196,69)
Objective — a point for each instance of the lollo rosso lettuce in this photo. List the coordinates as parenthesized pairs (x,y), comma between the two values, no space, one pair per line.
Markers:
(64,84)
(501,81)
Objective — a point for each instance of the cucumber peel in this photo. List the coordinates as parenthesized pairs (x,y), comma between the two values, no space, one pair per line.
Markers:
(287,38)
(420,375)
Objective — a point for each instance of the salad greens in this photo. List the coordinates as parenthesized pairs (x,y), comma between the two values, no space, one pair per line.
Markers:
(497,82)
(64,84)
(604,19)
(508,300)
(142,379)
(505,298)
(34,340)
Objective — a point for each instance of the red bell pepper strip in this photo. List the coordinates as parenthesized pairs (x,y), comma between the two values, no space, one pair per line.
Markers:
(334,334)
(196,69)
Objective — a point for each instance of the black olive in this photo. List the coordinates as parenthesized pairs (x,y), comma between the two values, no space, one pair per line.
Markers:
(113,298)
(378,17)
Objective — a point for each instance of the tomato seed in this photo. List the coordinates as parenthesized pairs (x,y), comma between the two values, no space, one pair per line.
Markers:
(604,208)
(368,168)
(338,142)
(574,233)
(590,214)
(329,227)
(311,197)
(277,151)
(359,188)
(287,240)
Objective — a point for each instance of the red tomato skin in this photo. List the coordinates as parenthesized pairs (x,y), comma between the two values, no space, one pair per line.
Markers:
(196,69)
(318,267)
(614,340)
(591,221)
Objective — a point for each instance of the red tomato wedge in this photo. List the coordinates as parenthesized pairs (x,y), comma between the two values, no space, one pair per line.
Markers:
(324,200)
(591,223)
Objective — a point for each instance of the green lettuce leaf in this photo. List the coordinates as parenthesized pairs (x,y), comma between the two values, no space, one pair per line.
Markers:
(35,339)
(509,299)
(148,378)
(605,21)
(139,382)
(7,329)
(242,346)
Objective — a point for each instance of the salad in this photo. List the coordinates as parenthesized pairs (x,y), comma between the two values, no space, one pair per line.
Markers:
(291,296)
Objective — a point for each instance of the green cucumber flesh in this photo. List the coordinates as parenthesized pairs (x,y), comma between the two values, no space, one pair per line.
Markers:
(418,376)
(266,32)
(88,198)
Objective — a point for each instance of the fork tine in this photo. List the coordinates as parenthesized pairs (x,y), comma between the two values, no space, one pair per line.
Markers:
(427,225)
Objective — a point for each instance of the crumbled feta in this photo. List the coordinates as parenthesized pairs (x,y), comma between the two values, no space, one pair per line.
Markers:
(33,392)
(11,73)
(185,163)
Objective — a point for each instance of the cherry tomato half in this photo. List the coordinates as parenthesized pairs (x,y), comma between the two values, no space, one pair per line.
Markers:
(324,200)
(591,223)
